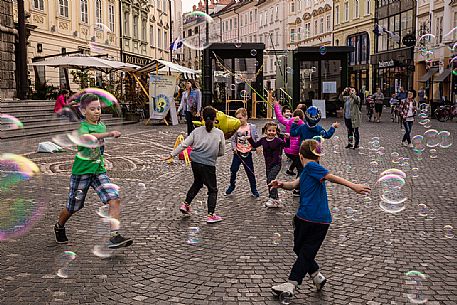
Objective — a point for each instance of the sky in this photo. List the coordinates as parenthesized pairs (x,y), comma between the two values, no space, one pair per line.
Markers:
(187,5)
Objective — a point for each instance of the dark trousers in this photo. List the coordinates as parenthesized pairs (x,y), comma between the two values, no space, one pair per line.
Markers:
(408,126)
(204,175)
(190,125)
(352,132)
(272,173)
(308,238)
(248,167)
(295,161)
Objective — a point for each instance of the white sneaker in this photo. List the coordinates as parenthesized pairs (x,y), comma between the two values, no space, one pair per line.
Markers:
(404,144)
(319,280)
(282,288)
(272,203)
(410,145)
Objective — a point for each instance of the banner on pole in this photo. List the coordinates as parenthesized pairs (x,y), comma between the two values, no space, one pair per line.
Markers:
(161,91)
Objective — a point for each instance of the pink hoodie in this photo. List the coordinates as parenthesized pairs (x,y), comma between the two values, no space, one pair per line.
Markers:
(294,147)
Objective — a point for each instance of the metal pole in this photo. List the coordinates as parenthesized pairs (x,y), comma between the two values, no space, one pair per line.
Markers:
(207,98)
(171,32)
(22,52)
(121,45)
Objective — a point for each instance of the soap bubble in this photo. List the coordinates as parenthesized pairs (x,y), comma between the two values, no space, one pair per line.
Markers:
(237,43)
(433,153)
(445,139)
(416,283)
(323,50)
(394,171)
(21,204)
(431,138)
(423,210)
(418,143)
(285,298)
(64,263)
(243,94)
(289,70)
(103,233)
(253,52)
(393,193)
(199,43)
(276,239)
(448,231)
(342,239)
(395,157)
(388,236)
(9,122)
(232,87)
(374,167)
(414,172)
(103,211)
(193,235)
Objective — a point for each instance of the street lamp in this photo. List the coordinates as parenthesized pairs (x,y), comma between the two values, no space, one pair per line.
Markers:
(22,52)
(207,96)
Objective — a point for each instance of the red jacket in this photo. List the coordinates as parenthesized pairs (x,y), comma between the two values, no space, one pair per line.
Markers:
(60,103)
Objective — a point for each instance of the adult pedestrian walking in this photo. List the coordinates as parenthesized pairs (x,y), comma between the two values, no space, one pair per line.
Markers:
(408,110)
(422,97)
(191,104)
(378,97)
(352,116)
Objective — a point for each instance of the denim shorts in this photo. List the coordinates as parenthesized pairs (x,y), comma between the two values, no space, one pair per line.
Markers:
(79,185)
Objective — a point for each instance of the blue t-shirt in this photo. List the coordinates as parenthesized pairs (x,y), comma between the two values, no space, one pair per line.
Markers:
(313,194)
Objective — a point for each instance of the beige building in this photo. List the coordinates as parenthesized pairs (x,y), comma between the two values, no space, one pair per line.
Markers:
(432,69)
(353,24)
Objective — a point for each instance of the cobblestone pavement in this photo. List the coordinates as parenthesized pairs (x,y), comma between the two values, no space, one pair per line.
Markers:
(365,255)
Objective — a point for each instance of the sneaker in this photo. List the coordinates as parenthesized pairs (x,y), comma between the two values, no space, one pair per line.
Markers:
(255,194)
(272,203)
(290,173)
(61,237)
(229,190)
(355,147)
(404,144)
(284,288)
(296,193)
(119,241)
(349,146)
(213,218)
(319,281)
(185,209)
(410,145)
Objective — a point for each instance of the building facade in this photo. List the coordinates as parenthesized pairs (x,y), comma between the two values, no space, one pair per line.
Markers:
(353,24)
(393,61)
(7,40)
(433,69)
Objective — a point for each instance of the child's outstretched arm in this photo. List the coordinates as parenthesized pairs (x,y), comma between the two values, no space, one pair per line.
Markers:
(358,188)
(285,185)
(253,143)
(111,134)
(278,113)
(327,134)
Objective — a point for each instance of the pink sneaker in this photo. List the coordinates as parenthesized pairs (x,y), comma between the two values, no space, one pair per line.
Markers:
(213,218)
(185,209)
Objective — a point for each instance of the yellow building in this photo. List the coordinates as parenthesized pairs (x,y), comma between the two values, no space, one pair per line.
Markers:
(353,23)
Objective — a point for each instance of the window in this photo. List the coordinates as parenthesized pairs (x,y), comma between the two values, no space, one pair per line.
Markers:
(164,6)
(361,51)
(292,35)
(277,12)
(84,15)
(189,32)
(329,24)
(63,8)
(242,20)
(126,24)
(357,6)
(144,29)
(135,26)
(368,7)
(439,29)
(307,30)
(346,11)
(315,27)
(196,30)
(271,16)
(98,14)
(231,24)
(111,17)
(165,38)
(250,17)
(277,37)
(337,14)
(235,23)
(39,5)
(321,28)
(159,37)
(292,7)
(151,35)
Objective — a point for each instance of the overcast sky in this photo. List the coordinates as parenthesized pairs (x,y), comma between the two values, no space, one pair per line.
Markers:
(187,5)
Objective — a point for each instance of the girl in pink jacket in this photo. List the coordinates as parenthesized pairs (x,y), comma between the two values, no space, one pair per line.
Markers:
(293,149)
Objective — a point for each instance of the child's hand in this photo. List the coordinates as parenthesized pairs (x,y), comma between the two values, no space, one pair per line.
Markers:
(336,125)
(275,184)
(275,102)
(286,135)
(361,189)
(115,134)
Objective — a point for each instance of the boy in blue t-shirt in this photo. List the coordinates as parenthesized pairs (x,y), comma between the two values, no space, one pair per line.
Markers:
(313,217)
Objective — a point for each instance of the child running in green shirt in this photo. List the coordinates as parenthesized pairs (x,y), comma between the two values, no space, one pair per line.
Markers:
(89,171)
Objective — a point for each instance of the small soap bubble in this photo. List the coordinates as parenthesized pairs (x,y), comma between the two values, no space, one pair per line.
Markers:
(141,185)
(418,143)
(342,239)
(445,139)
(289,70)
(237,43)
(374,167)
(416,285)
(323,50)
(103,234)
(423,210)
(448,231)
(395,157)
(64,262)
(370,231)
(193,235)
(79,195)
(433,154)
(232,87)
(414,172)
(276,239)
(388,236)
(253,52)
(431,138)
(285,298)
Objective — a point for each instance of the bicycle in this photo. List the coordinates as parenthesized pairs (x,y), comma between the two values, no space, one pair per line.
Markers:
(446,113)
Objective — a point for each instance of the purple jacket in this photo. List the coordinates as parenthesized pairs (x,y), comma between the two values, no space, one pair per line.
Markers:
(294,147)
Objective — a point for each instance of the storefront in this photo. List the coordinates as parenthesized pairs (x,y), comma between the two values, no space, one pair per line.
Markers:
(392,70)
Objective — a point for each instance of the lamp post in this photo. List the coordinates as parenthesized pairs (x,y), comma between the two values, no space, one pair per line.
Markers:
(171,31)
(207,96)
(22,52)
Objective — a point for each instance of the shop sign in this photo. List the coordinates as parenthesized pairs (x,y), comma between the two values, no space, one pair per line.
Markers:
(386,64)
(136,60)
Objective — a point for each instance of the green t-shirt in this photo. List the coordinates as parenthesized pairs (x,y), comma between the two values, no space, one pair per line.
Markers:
(90,160)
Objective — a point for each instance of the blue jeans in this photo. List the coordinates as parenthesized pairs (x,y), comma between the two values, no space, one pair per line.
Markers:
(408,126)
(248,167)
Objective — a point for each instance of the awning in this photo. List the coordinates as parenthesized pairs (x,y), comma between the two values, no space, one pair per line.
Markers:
(425,78)
(442,76)
(165,66)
